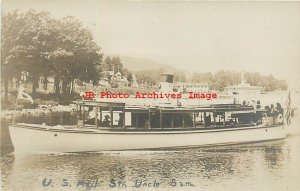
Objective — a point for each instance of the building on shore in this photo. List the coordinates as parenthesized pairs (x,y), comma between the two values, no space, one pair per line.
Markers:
(243,89)
(185,87)
(104,82)
(118,80)
(134,82)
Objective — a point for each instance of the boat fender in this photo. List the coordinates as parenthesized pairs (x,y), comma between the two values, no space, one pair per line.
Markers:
(280,118)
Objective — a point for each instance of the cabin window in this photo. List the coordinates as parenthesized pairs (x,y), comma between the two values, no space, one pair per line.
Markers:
(188,119)
(128,119)
(247,118)
(154,120)
(177,120)
(167,120)
(199,119)
(105,119)
(140,120)
(208,119)
(88,115)
(117,119)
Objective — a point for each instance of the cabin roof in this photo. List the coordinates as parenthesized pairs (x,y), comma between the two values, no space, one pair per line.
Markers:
(101,104)
(147,108)
(208,109)
(212,108)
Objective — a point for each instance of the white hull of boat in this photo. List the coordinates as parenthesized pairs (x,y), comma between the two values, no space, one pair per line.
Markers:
(39,138)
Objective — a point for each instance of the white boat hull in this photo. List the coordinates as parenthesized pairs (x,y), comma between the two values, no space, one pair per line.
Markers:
(39,138)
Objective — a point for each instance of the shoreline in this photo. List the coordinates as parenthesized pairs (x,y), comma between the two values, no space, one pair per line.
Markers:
(266,99)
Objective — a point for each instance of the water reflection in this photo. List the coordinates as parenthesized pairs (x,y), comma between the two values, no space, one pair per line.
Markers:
(274,157)
(235,167)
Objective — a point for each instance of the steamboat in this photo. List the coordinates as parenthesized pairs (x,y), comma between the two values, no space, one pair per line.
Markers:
(104,126)
(115,126)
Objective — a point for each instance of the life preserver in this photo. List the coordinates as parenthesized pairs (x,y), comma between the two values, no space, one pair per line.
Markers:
(280,118)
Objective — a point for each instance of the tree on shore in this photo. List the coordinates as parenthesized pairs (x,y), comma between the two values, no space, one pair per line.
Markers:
(11,23)
(46,47)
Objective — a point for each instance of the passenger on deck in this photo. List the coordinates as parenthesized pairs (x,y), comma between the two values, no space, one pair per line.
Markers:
(274,113)
(106,121)
(91,121)
(244,103)
(279,108)
(272,109)
(207,121)
(120,122)
(231,123)
(268,110)
(91,117)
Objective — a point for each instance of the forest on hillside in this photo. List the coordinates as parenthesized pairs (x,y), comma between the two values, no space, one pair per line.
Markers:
(217,81)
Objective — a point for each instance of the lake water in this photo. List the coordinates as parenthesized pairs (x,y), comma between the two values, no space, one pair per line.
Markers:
(261,166)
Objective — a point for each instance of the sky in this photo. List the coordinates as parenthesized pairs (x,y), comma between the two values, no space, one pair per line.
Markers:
(198,36)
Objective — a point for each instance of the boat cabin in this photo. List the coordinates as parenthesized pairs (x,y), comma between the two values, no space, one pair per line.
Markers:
(112,115)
